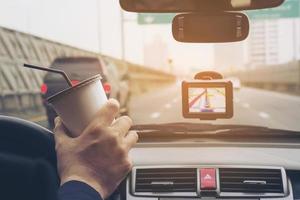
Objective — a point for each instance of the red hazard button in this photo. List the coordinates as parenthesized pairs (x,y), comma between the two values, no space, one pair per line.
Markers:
(208,179)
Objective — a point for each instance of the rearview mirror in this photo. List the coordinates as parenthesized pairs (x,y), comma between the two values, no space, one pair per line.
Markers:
(210,28)
(196,5)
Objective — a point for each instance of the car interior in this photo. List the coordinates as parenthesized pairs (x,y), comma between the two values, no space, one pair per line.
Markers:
(204,155)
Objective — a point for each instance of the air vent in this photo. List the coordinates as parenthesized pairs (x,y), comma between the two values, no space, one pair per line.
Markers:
(162,180)
(251,180)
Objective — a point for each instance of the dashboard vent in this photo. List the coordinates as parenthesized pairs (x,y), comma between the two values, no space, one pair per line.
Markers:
(251,180)
(161,180)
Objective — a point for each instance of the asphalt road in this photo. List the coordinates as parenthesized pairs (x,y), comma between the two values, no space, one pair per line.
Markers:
(251,107)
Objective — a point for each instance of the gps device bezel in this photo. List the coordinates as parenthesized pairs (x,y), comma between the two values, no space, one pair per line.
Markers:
(208,84)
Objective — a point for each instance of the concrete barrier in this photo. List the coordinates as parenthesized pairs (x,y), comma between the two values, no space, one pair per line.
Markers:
(284,77)
(142,78)
(20,87)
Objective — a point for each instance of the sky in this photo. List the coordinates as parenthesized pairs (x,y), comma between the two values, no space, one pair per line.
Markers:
(95,25)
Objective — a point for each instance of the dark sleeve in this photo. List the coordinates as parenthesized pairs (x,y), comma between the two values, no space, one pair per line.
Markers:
(76,190)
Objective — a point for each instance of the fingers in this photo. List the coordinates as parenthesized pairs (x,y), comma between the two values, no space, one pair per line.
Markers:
(105,116)
(122,125)
(131,139)
(108,112)
(60,131)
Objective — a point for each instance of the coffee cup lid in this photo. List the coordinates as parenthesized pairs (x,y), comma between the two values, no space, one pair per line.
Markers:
(71,89)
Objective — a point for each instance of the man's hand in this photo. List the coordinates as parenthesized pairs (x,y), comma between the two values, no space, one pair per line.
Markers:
(99,156)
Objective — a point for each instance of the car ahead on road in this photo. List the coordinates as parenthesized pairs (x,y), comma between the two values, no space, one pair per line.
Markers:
(119,85)
(236,82)
(79,69)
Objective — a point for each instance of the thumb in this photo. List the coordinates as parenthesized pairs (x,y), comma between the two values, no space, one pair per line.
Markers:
(60,132)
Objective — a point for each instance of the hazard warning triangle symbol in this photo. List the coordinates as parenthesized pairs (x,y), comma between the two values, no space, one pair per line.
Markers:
(207,177)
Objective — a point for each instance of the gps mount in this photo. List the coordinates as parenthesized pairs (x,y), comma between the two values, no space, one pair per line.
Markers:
(208,75)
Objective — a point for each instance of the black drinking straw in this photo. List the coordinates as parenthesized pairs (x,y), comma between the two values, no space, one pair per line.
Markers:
(51,70)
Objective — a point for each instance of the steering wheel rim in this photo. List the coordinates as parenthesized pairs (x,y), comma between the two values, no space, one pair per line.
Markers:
(27,139)
(30,140)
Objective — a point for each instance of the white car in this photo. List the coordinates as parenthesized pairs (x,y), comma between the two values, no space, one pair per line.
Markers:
(236,82)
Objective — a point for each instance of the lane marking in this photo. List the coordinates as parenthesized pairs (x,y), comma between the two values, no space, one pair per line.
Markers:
(168,106)
(155,115)
(264,115)
(246,105)
(196,99)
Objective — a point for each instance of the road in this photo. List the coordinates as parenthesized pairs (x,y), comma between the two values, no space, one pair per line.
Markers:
(251,107)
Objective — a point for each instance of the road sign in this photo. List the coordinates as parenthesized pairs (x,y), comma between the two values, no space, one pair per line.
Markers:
(150,18)
(289,9)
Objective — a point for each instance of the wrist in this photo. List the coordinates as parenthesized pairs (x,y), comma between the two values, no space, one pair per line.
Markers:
(92,183)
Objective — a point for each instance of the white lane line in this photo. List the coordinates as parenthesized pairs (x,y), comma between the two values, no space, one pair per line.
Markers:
(155,115)
(264,115)
(168,106)
(246,105)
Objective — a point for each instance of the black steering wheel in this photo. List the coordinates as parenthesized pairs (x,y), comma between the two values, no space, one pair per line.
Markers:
(26,139)
(27,159)
(30,141)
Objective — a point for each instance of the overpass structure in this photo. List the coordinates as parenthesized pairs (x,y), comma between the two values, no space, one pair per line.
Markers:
(20,87)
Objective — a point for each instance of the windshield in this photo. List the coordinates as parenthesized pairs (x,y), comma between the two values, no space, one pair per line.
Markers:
(74,69)
(149,64)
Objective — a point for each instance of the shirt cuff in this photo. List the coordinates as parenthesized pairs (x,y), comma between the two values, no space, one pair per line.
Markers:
(77,190)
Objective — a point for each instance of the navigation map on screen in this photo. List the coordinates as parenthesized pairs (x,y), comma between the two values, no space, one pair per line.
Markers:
(210,100)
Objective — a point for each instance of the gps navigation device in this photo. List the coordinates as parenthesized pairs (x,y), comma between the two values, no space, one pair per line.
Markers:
(207,99)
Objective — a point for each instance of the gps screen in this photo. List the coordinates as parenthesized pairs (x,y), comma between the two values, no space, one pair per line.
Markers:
(207,100)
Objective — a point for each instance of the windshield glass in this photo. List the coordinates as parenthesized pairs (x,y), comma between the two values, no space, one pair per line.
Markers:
(74,69)
(145,65)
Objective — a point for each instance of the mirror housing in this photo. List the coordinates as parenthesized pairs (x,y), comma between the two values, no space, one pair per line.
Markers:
(210,28)
(166,6)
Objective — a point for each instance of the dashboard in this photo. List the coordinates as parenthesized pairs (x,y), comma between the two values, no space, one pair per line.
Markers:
(165,171)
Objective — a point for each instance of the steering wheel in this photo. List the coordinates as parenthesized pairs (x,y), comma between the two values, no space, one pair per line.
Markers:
(27,160)
(29,140)
(24,138)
